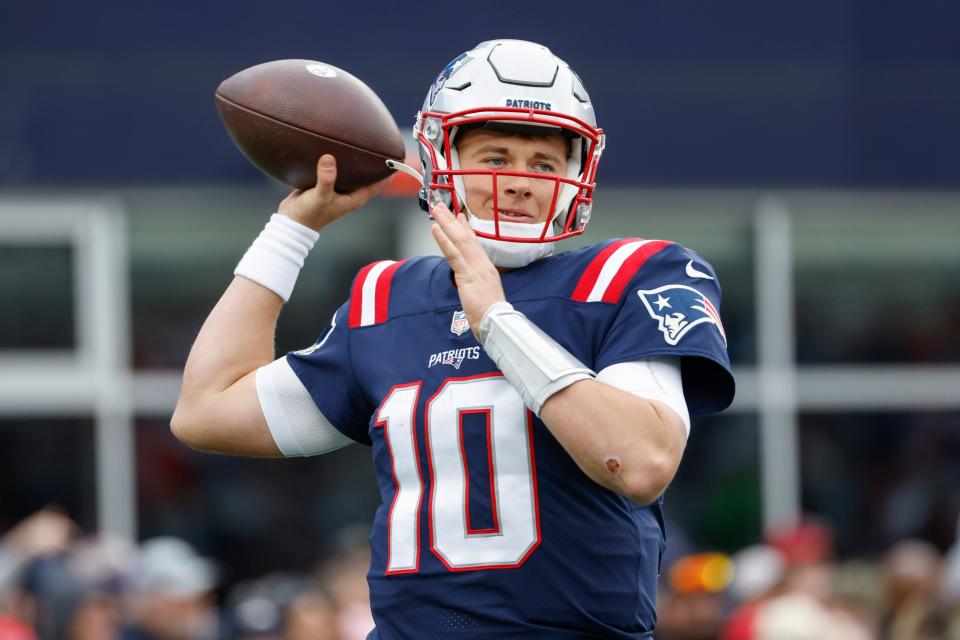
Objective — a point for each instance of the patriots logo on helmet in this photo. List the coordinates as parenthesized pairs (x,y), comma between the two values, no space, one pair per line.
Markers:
(677,309)
(445,75)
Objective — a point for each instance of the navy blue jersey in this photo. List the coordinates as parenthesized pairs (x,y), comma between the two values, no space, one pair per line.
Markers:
(487,527)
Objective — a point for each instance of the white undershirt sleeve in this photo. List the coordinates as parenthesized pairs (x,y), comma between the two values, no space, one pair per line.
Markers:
(655,378)
(296,424)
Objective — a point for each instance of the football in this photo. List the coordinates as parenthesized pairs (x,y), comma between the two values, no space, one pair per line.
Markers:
(285,114)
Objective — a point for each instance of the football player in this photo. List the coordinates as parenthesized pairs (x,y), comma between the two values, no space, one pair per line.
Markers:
(525,410)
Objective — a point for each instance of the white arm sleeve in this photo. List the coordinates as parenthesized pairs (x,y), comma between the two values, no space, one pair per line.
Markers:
(652,378)
(296,424)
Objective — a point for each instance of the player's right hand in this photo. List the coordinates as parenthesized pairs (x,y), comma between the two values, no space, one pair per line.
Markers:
(321,205)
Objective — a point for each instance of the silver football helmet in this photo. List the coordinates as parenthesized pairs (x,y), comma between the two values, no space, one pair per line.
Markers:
(518,87)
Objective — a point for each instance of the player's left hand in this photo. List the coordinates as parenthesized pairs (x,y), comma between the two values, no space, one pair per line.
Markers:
(478,281)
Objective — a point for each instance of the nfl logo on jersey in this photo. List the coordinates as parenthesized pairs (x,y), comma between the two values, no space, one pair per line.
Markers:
(677,309)
(459,324)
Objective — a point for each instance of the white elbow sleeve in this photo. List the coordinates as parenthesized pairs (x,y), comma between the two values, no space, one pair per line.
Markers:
(655,378)
(296,424)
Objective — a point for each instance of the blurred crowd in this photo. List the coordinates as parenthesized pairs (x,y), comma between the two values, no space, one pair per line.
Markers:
(792,587)
(56,584)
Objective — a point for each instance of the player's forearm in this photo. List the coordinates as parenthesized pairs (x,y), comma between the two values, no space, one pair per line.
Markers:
(236,339)
(627,444)
(621,441)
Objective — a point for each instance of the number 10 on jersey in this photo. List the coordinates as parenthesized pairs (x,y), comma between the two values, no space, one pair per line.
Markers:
(510,460)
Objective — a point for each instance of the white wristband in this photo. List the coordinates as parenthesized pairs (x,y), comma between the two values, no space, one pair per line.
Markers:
(530,360)
(275,258)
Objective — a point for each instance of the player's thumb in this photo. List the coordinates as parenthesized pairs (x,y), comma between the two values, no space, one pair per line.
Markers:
(326,172)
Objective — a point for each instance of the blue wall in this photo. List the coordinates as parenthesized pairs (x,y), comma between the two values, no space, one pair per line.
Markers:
(821,93)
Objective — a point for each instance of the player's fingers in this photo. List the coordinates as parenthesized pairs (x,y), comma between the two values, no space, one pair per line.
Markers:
(458,230)
(464,225)
(360,196)
(440,209)
(447,247)
(440,215)
(469,242)
(444,217)
(326,174)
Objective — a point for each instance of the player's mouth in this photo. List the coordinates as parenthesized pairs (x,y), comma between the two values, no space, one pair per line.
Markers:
(516,215)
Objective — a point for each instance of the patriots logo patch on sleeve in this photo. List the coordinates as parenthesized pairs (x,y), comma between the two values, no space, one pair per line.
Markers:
(677,309)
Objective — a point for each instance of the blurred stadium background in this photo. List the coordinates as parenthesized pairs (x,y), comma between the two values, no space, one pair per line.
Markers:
(808,150)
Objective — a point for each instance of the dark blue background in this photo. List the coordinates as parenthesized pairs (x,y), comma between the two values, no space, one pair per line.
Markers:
(822,92)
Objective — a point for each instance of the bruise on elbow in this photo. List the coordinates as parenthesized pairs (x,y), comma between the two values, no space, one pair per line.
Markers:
(618,477)
(613,465)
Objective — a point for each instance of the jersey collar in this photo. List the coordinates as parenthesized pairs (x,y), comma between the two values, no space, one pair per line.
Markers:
(444,293)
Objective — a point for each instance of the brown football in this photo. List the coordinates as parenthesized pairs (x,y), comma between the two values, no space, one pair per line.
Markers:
(285,114)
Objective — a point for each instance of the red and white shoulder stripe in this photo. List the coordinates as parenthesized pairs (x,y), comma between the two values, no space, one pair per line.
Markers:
(610,271)
(370,295)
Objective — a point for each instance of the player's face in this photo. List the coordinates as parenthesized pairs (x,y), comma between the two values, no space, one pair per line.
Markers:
(520,199)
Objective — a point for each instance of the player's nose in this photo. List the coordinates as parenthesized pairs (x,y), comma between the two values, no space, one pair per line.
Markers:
(517,186)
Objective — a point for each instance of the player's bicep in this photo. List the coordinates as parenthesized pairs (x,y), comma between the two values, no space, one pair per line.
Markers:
(657,379)
(294,421)
(230,421)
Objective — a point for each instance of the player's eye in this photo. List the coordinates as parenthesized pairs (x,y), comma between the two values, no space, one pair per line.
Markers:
(496,162)
(544,167)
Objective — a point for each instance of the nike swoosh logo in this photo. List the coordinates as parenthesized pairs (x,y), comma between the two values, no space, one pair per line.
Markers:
(694,273)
